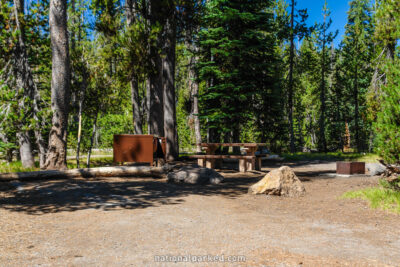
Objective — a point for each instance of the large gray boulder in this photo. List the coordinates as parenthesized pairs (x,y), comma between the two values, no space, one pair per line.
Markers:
(375,168)
(281,182)
(195,175)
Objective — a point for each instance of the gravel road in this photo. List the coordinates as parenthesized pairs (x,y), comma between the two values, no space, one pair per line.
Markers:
(139,222)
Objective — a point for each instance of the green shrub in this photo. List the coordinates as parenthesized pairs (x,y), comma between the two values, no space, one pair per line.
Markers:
(111,124)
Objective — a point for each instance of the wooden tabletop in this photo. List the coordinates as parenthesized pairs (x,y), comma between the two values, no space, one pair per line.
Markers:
(233,144)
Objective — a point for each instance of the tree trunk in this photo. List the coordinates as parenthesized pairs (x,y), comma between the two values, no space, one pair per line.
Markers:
(356,108)
(137,120)
(78,145)
(91,141)
(21,69)
(25,149)
(322,139)
(130,7)
(170,127)
(148,104)
(291,63)
(194,87)
(236,139)
(81,99)
(156,111)
(194,93)
(60,83)
(40,142)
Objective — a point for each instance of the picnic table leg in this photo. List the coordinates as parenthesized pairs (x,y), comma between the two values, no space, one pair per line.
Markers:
(210,163)
(258,163)
(201,162)
(250,164)
(218,163)
(242,165)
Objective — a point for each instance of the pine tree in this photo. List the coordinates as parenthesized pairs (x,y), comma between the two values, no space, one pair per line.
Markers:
(387,126)
(357,48)
(80,71)
(324,39)
(307,92)
(24,47)
(237,59)
(388,118)
(386,33)
(297,30)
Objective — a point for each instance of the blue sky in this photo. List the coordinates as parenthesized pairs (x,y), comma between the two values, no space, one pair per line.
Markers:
(338,13)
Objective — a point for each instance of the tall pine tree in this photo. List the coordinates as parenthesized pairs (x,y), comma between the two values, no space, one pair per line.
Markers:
(357,53)
(237,62)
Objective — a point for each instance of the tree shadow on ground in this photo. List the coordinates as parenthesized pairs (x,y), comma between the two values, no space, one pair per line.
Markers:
(41,197)
(51,196)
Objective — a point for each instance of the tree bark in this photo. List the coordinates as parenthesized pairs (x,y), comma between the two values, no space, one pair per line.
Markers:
(170,125)
(60,86)
(25,149)
(137,120)
(194,87)
(156,111)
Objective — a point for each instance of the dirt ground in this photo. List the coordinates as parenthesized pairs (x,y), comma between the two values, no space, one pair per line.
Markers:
(145,222)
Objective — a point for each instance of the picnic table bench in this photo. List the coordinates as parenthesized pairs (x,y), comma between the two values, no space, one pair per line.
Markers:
(247,162)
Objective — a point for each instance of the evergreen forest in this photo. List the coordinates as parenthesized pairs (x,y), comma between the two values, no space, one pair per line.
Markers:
(74,73)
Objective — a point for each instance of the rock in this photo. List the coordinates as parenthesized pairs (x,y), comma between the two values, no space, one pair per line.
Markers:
(281,182)
(375,168)
(195,175)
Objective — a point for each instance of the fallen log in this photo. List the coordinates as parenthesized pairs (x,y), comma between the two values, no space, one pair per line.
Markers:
(391,168)
(115,171)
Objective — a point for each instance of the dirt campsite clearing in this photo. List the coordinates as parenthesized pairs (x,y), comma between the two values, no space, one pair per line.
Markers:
(148,222)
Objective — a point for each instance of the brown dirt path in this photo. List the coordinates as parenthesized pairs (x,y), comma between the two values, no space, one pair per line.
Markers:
(127,222)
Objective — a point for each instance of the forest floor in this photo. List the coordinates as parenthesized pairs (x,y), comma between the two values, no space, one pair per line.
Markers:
(131,221)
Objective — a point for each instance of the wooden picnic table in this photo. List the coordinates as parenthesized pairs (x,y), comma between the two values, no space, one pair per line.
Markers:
(251,148)
(246,162)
